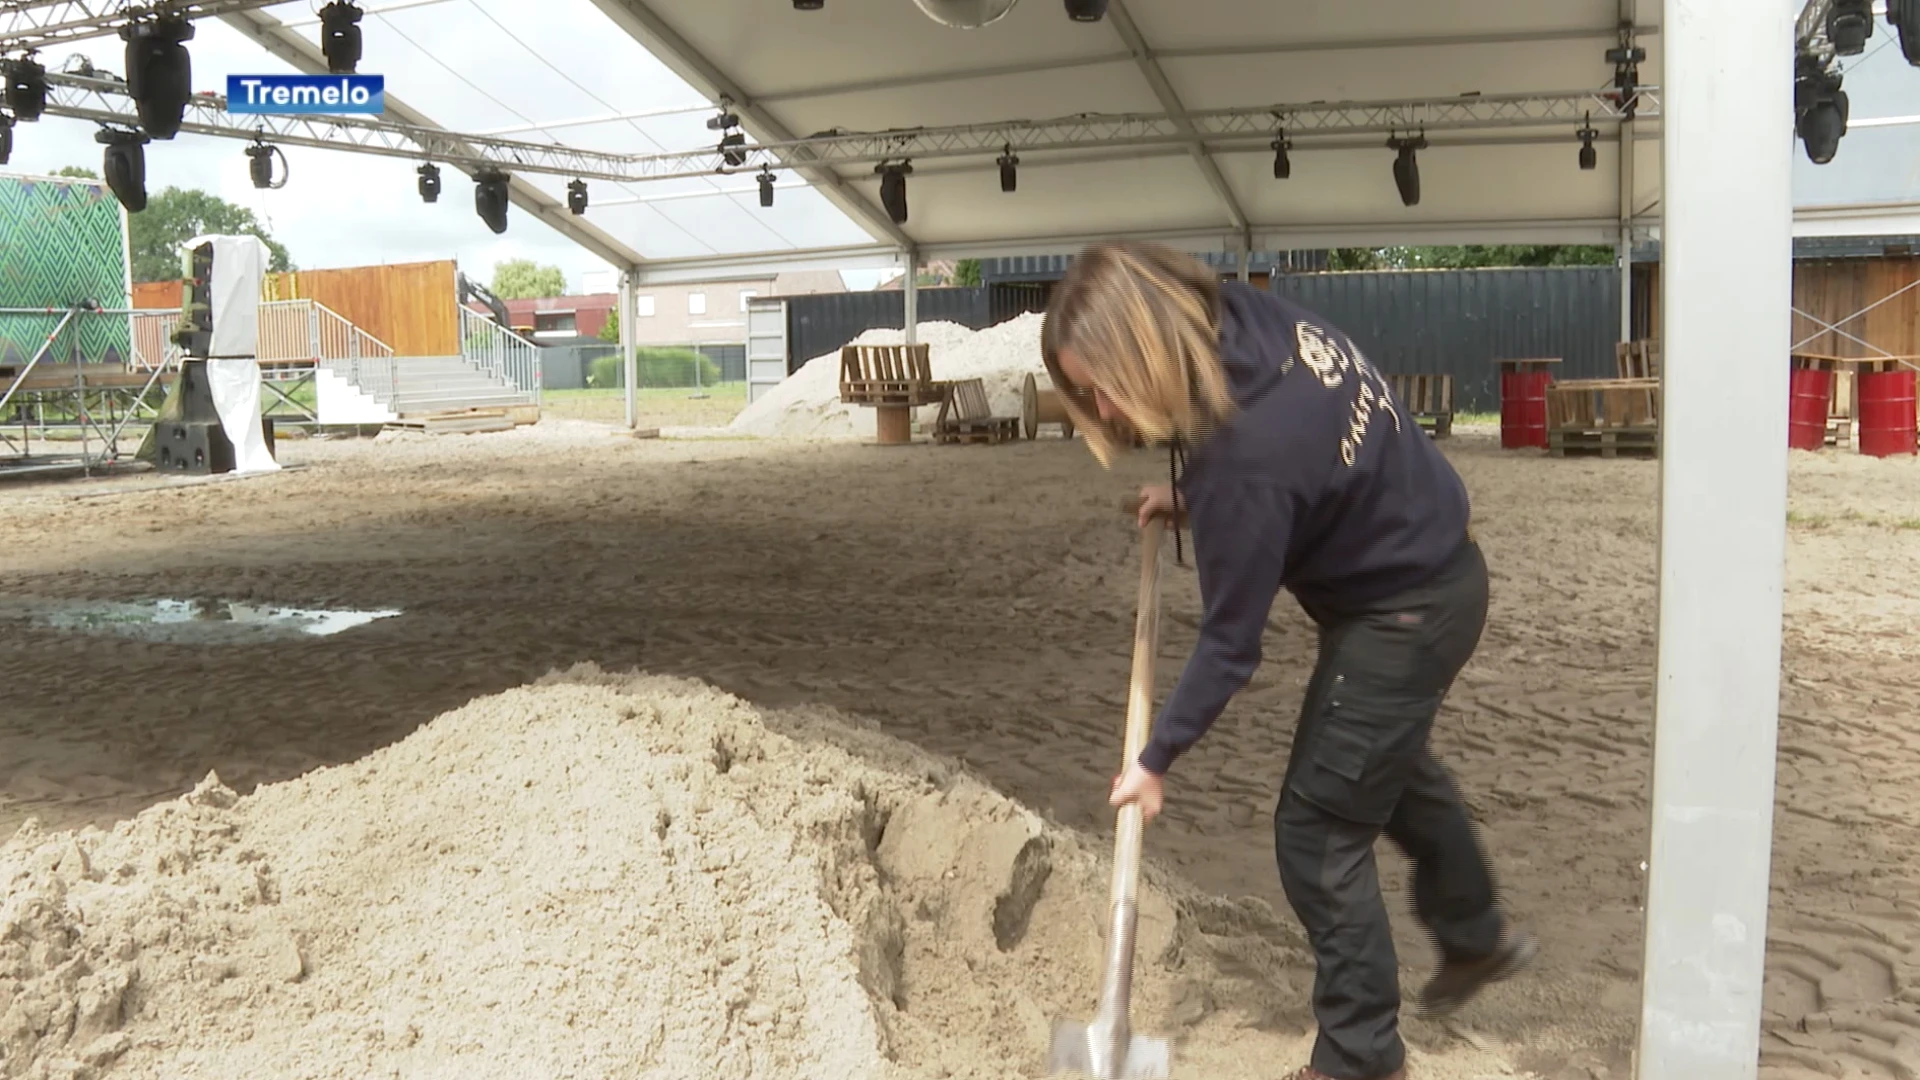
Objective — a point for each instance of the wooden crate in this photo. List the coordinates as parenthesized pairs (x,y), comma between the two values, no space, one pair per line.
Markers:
(888,375)
(966,417)
(1593,404)
(1428,399)
(1603,417)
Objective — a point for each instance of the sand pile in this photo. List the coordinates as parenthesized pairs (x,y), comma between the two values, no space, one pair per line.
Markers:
(605,877)
(807,405)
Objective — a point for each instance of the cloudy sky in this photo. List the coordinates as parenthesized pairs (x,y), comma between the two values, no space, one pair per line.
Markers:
(510,66)
(473,66)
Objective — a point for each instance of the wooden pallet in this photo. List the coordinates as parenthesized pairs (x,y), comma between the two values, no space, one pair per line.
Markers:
(1428,399)
(1603,442)
(966,418)
(895,375)
(1637,359)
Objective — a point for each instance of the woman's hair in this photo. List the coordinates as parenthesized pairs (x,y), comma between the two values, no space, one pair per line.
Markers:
(1144,321)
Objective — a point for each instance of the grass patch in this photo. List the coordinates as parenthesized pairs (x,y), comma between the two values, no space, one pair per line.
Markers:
(681,406)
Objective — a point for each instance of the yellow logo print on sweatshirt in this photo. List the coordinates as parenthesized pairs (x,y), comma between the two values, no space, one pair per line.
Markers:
(1332,364)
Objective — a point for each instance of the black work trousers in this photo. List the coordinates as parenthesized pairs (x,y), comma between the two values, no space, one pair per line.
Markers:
(1361,765)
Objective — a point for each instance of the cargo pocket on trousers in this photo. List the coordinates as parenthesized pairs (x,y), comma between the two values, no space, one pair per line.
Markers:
(1361,756)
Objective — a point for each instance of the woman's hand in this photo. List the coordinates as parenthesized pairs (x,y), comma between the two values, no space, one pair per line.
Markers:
(1156,500)
(1137,785)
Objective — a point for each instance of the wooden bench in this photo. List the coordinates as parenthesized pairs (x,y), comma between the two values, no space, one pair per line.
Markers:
(1428,399)
(966,417)
(893,380)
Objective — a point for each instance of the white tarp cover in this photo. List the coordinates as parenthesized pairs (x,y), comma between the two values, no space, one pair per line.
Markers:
(235,385)
(239,266)
(233,372)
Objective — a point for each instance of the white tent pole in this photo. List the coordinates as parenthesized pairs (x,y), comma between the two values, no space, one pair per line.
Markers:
(629,363)
(1727,246)
(913,297)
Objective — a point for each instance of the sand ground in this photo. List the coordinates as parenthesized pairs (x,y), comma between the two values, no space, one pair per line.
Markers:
(978,602)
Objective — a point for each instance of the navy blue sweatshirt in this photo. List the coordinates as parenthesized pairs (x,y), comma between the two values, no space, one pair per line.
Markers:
(1318,485)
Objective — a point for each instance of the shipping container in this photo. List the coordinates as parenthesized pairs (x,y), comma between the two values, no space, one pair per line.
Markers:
(819,324)
(1460,322)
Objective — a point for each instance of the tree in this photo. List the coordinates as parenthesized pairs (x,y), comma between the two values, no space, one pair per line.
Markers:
(177,215)
(1478,255)
(610,330)
(523,279)
(966,273)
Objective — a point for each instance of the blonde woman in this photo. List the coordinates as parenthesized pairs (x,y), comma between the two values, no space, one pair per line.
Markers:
(1293,469)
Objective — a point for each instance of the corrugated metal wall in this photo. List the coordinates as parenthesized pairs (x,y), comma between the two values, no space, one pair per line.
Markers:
(1458,322)
(819,324)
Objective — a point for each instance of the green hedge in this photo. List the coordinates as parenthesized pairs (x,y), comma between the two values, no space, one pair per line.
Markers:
(658,367)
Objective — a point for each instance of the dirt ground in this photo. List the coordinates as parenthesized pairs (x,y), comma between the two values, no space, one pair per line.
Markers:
(978,602)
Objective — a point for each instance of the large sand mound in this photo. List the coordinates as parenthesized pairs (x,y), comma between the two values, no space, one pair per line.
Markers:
(603,877)
(807,404)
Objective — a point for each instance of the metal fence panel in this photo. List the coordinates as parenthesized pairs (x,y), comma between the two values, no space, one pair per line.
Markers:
(1458,322)
(821,323)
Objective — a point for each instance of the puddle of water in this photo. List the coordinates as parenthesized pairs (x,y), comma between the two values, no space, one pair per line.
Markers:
(202,619)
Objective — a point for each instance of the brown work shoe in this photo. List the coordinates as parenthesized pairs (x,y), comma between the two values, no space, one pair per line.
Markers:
(1307,1072)
(1458,981)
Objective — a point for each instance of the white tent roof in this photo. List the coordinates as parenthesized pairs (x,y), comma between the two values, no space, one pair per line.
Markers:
(871,65)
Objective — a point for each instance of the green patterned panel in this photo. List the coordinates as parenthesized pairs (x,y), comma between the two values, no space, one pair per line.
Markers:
(62,242)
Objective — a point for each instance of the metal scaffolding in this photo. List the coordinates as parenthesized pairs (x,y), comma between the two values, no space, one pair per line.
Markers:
(36,24)
(105,101)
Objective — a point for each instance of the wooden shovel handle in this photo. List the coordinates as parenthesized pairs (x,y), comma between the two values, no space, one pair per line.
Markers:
(1146,642)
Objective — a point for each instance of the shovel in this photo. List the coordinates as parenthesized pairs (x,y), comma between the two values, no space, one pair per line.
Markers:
(1107,1048)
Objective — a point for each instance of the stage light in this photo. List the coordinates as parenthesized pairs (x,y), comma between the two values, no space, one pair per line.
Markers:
(577,197)
(1086,10)
(1589,157)
(1282,162)
(6,138)
(260,166)
(730,149)
(1819,109)
(766,185)
(1009,171)
(490,198)
(429,184)
(124,164)
(1904,17)
(159,72)
(340,37)
(893,189)
(26,88)
(1849,25)
(1406,168)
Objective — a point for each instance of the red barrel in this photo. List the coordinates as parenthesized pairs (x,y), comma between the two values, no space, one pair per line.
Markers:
(1523,408)
(1886,413)
(1812,394)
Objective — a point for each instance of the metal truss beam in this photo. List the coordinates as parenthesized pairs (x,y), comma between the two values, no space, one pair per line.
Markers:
(288,44)
(1063,63)
(37,24)
(1136,43)
(103,101)
(640,22)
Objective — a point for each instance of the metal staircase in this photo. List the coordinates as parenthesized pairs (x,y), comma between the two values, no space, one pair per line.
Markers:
(496,367)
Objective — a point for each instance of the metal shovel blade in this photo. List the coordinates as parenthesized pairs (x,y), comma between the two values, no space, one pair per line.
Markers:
(1085,1049)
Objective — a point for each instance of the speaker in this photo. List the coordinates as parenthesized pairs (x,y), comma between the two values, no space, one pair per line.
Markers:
(192,448)
(194,333)
(196,394)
